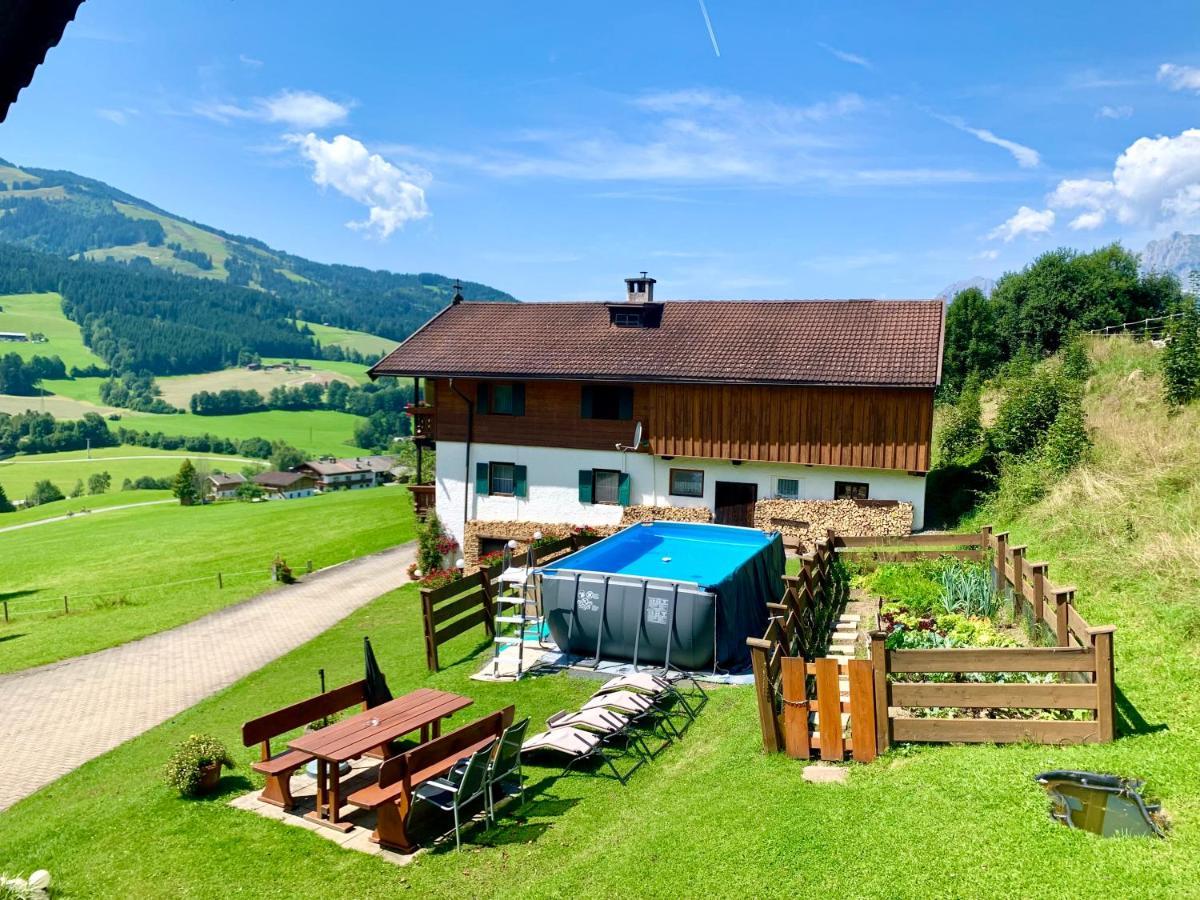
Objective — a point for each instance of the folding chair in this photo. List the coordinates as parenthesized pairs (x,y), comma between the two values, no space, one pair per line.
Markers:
(579,745)
(463,785)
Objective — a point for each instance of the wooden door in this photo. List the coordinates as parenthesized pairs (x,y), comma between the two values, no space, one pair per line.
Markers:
(735,503)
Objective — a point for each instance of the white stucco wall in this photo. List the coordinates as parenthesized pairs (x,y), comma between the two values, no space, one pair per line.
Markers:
(554,483)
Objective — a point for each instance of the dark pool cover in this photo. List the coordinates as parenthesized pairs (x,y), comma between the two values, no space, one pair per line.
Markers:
(742,598)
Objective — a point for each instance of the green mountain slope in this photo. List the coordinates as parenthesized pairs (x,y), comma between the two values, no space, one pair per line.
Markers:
(66,214)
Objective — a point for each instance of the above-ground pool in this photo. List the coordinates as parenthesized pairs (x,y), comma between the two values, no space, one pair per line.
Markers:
(706,586)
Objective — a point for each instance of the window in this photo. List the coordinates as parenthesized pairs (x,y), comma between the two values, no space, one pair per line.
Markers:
(502,479)
(501,398)
(850,490)
(627,318)
(787,488)
(687,483)
(606,486)
(603,401)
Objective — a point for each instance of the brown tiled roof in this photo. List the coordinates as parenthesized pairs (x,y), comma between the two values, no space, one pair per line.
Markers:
(846,342)
(278,479)
(226,479)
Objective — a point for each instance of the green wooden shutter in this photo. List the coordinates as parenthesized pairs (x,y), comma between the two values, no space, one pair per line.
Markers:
(585,404)
(585,485)
(520,482)
(483,397)
(481,479)
(518,399)
(623,489)
(625,408)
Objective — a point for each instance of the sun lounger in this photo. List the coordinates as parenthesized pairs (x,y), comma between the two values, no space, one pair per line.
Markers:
(579,745)
(599,720)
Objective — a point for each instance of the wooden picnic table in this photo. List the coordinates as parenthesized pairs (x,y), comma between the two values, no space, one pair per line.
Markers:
(422,710)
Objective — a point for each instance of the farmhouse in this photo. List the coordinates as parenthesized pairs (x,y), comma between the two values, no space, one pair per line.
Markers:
(331,474)
(224,486)
(795,415)
(285,485)
(17,337)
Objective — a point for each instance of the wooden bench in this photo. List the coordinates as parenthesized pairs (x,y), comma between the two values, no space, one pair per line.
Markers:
(279,768)
(392,794)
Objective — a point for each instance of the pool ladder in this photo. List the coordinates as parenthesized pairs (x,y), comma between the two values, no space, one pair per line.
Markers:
(514,601)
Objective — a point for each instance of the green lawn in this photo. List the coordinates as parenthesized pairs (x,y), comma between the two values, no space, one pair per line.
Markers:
(370,344)
(143,554)
(43,312)
(314,430)
(354,370)
(80,505)
(18,473)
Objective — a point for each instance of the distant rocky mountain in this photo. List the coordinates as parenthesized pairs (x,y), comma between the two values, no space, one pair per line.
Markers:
(1178,254)
(987,285)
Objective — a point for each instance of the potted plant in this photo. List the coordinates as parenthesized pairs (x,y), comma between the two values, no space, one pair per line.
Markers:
(195,767)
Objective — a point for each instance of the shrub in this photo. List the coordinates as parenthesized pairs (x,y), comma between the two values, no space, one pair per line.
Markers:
(439,577)
(962,433)
(1027,410)
(99,482)
(1022,483)
(1076,364)
(44,491)
(1181,359)
(429,554)
(1067,440)
(199,751)
(281,571)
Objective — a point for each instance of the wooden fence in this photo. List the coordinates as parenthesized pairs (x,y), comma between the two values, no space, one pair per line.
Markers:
(800,627)
(1080,663)
(454,608)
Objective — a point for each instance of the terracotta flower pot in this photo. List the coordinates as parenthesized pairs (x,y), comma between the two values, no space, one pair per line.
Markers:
(210,777)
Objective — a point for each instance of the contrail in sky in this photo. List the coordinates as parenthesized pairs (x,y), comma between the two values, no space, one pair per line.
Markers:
(712,35)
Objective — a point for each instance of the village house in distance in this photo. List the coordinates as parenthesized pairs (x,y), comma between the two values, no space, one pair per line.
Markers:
(796,415)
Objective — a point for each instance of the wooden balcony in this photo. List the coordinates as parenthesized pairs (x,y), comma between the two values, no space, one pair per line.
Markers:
(423,498)
(422,422)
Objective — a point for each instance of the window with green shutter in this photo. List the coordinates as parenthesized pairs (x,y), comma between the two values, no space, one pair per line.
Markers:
(481,479)
(520,481)
(501,398)
(585,485)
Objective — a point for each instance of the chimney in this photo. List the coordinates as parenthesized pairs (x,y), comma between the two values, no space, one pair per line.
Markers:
(639,290)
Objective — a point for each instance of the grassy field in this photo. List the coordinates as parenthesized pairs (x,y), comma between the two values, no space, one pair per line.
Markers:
(352,370)
(79,505)
(178,389)
(18,473)
(313,430)
(136,559)
(713,816)
(43,312)
(59,407)
(370,344)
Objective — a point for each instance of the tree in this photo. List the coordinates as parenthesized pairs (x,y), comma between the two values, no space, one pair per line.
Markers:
(973,345)
(5,503)
(43,491)
(1029,406)
(184,485)
(1181,358)
(962,433)
(99,482)
(1067,439)
(78,490)
(1076,365)
(284,456)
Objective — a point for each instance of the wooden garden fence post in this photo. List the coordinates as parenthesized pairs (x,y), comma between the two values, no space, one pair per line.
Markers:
(1102,640)
(1018,562)
(1063,597)
(795,708)
(762,690)
(883,731)
(431,654)
(862,709)
(1001,562)
(489,604)
(1039,570)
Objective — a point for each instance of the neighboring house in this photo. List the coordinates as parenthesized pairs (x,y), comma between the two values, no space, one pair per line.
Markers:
(332,474)
(285,485)
(18,337)
(534,406)
(224,486)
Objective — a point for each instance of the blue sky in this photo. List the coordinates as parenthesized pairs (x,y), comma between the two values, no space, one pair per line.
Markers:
(551,149)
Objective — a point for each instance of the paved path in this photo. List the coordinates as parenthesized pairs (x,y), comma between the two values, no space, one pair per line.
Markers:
(106,698)
(83,514)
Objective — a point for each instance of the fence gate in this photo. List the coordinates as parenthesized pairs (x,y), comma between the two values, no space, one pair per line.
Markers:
(828,708)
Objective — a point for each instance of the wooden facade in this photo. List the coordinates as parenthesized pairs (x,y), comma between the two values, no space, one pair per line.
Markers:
(859,427)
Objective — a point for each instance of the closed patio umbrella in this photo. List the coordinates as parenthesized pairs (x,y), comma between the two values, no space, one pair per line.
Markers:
(377,686)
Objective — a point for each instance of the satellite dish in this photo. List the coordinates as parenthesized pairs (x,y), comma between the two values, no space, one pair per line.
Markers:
(637,440)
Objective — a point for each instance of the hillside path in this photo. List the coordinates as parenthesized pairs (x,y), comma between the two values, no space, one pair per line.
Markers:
(32,459)
(83,514)
(58,716)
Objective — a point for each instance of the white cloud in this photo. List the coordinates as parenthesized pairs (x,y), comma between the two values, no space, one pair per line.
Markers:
(1114,112)
(1087,221)
(296,109)
(853,58)
(249,61)
(393,195)
(1026,221)
(118,116)
(1026,157)
(987,254)
(1179,78)
(1154,181)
